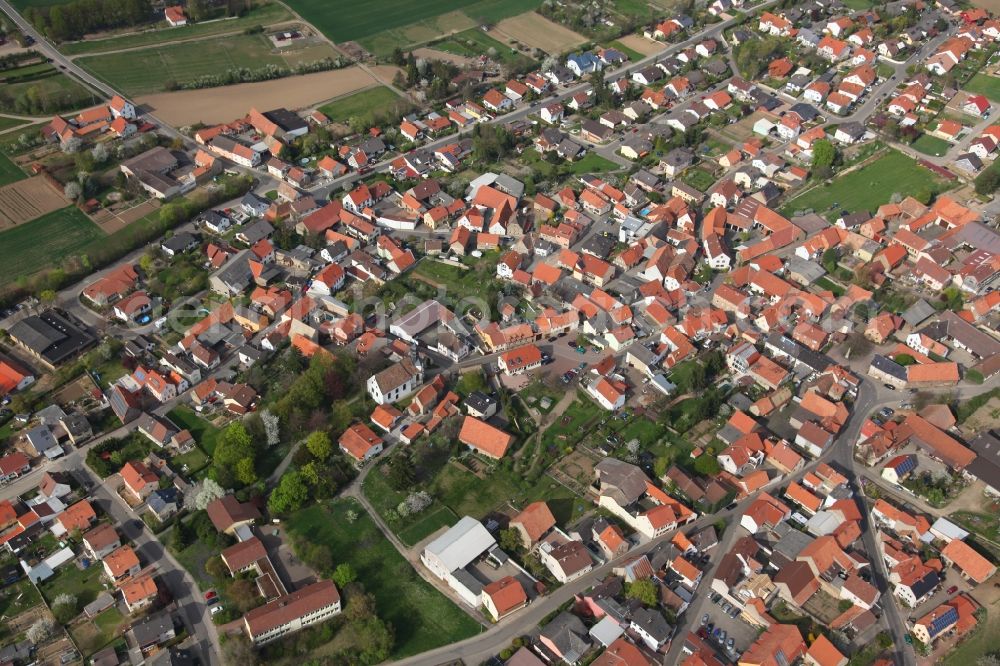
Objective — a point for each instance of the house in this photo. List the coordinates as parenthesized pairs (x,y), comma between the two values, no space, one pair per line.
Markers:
(139,480)
(13,465)
(566,561)
(101,541)
(79,516)
(360,443)
(566,637)
(152,631)
(970,564)
(293,612)
(483,438)
(520,360)
(533,523)
(121,563)
(447,556)
(977,105)
(139,593)
(395,382)
(651,627)
(823,653)
(174,14)
(957,614)
(779,644)
(228,514)
(503,597)
(608,395)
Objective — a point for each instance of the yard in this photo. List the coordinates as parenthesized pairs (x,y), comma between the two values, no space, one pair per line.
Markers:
(17,598)
(592,163)
(982,642)
(931,145)
(42,89)
(986,525)
(92,635)
(986,85)
(45,242)
(204,433)
(9,172)
(867,188)
(362,103)
(572,425)
(260,14)
(698,179)
(171,65)
(825,283)
(86,583)
(421,617)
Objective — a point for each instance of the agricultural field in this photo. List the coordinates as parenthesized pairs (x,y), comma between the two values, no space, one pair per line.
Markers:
(538,32)
(10,123)
(164,67)
(43,243)
(422,617)
(867,188)
(261,14)
(41,89)
(217,105)
(986,85)
(9,172)
(27,198)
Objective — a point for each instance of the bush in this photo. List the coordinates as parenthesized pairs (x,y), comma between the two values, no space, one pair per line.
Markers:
(975,377)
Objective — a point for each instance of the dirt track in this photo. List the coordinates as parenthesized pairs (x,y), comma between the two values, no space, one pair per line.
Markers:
(217,105)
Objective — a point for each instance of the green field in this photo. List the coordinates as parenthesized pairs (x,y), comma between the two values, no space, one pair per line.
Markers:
(149,70)
(41,89)
(9,172)
(359,103)
(10,123)
(44,242)
(986,85)
(422,617)
(475,42)
(265,14)
(931,145)
(592,163)
(869,187)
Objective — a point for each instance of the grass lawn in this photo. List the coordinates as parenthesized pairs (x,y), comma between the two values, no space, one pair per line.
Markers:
(982,642)
(642,428)
(261,14)
(475,42)
(983,524)
(193,559)
(149,70)
(698,179)
(986,85)
(44,242)
(632,54)
(360,103)
(867,188)
(592,163)
(191,462)
(859,5)
(9,172)
(10,123)
(573,424)
(17,598)
(422,617)
(93,635)
(204,433)
(931,145)
(84,583)
(432,520)
(824,283)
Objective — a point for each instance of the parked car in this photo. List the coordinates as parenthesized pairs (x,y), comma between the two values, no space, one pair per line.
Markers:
(216,610)
(210,595)
(730,643)
(734,613)
(953,589)
(704,619)
(726,607)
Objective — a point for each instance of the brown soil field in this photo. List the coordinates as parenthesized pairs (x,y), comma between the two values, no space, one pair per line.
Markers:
(641,44)
(219,105)
(27,199)
(992,5)
(538,32)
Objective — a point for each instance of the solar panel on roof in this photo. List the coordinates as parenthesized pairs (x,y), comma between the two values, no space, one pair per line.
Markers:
(941,623)
(908,464)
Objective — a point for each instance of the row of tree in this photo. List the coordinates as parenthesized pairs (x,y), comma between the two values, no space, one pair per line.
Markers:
(74,19)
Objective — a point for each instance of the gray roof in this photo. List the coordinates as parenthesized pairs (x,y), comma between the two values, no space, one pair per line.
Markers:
(809,270)
(918,313)
(889,367)
(568,633)
(154,160)
(149,630)
(653,623)
(462,543)
(256,231)
(51,336)
(621,481)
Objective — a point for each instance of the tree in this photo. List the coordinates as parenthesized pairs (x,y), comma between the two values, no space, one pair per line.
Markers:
(64,607)
(377,642)
(216,568)
(72,190)
(319,444)
(644,590)
(237,650)
(209,492)
(829,260)
(400,476)
(360,606)
(344,574)
(40,630)
(47,296)
(245,472)
(706,465)
(824,155)
(272,428)
(291,493)
(510,540)
(234,445)
(243,594)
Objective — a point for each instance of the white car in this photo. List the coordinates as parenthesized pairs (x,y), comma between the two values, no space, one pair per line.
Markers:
(216,610)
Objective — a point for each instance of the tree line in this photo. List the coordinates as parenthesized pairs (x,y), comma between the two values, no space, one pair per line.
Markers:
(75,19)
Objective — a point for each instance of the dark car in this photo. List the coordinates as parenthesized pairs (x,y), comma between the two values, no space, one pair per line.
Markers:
(889,386)
(953,589)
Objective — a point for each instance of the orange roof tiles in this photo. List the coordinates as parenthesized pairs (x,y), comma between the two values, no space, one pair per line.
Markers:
(484,438)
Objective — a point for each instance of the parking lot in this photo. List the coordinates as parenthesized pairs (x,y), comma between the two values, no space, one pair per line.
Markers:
(736,630)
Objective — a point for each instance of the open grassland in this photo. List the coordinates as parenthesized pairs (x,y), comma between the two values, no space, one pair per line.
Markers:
(263,14)
(867,188)
(44,242)
(41,89)
(360,104)
(217,105)
(422,617)
(158,68)
(9,172)
(536,31)
(986,85)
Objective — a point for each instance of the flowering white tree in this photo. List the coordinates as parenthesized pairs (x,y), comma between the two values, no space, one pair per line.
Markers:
(272,427)
(40,630)
(210,491)
(414,503)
